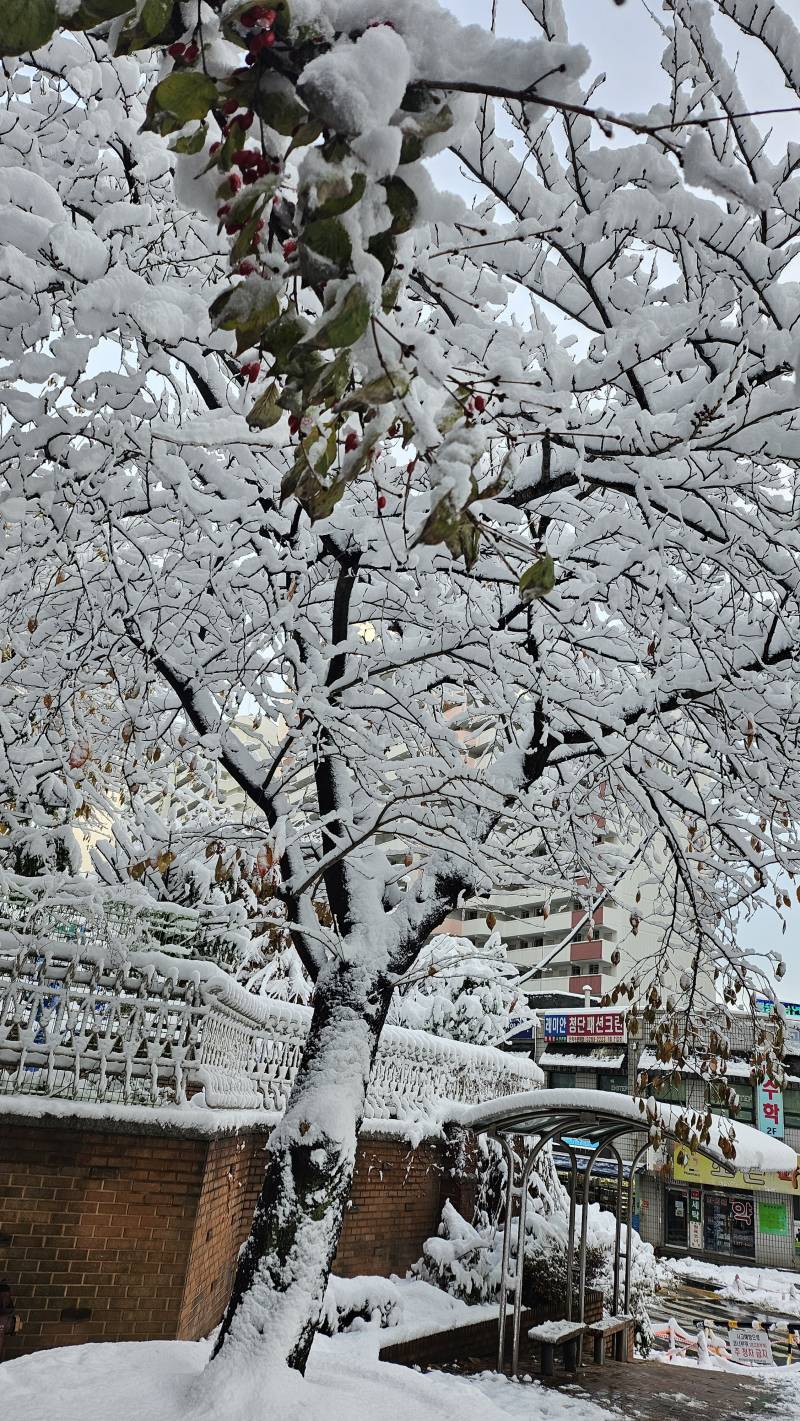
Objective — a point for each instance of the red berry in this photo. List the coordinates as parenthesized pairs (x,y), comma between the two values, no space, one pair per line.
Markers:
(224,209)
(230,106)
(251,17)
(177,50)
(289,247)
(265,39)
(351,442)
(215,147)
(245,120)
(246,268)
(234,182)
(479,403)
(269,16)
(191,53)
(381,501)
(253,370)
(294,424)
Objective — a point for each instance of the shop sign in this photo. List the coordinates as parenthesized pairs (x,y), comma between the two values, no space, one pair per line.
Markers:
(695,1218)
(699,1170)
(791,1022)
(773,1218)
(750,1347)
(594,1026)
(770,1109)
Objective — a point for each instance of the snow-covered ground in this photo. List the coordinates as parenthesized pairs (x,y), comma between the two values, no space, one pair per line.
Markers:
(163,1381)
(772,1289)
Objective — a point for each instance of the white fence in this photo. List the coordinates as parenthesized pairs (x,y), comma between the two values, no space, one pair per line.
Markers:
(152,1029)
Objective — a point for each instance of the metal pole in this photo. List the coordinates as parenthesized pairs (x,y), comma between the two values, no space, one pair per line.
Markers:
(571,1235)
(511,1164)
(618,1229)
(520,1269)
(629,1241)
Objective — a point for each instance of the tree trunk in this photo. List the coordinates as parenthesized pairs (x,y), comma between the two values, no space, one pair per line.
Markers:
(283,1268)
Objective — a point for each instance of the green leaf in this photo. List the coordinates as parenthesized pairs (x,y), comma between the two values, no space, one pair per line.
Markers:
(266,411)
(305,134)
(423,126)
(191,142)
(391,386)
(324,250)
(538,580)
(154,15)
(278,105)
(96,12)
(344,324)
(158,22)
(248,309)
(336,195)
(454,527)
(182,96)
(402,204)
(282,339)
(331,382)
(26,24)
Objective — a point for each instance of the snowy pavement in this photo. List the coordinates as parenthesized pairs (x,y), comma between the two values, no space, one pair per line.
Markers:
(772,1290)
(345,1382)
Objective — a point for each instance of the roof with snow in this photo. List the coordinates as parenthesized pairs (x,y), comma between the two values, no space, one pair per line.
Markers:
(605,1114)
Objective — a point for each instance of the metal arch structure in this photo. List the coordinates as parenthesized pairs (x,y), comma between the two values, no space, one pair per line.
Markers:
(605,1118)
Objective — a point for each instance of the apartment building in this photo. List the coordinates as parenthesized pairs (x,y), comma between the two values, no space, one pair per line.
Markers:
(565,947)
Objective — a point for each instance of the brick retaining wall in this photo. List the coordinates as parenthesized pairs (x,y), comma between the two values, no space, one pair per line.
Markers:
(120,1232)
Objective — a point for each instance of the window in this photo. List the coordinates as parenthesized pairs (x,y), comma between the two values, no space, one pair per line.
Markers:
(715,1099)
(612,1080)
(672,1092)
(562,1080)
(791,1108)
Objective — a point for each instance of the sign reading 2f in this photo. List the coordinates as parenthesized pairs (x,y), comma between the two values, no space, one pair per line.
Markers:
(770,1109)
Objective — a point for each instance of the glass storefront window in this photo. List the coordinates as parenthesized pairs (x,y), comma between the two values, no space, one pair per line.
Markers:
(673,1092)
(715,1099)
(612,1080)
(561,1080)
(676,1220)
(729,1223)
(791,1108)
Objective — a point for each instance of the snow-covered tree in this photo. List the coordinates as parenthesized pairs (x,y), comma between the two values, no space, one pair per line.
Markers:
(462,990)
(463,527)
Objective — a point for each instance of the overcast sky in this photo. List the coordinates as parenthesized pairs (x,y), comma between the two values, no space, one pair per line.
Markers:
(625,43)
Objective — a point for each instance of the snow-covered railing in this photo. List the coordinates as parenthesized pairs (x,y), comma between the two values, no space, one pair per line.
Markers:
(153,1030)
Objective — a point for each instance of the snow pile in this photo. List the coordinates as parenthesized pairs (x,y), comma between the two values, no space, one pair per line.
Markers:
(462,990)
(770,1289)
(355,1303)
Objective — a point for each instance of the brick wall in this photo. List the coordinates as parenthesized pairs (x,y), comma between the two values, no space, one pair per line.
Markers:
(113,1234)
(94,1232)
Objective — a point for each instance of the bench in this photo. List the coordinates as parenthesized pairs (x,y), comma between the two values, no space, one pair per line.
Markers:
(565,1335)
(609,1327)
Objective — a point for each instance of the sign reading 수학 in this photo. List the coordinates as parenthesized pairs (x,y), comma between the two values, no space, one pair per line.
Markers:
(770,1109)
(595,1026)
(751,1347)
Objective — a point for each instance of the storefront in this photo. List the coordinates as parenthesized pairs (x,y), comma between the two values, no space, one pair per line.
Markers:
(695,1207)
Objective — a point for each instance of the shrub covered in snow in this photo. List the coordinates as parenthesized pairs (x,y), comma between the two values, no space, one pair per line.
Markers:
(353,1303)
(462,990)
(466,1260)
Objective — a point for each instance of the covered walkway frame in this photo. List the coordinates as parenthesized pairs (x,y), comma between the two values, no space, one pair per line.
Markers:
(557,1116)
